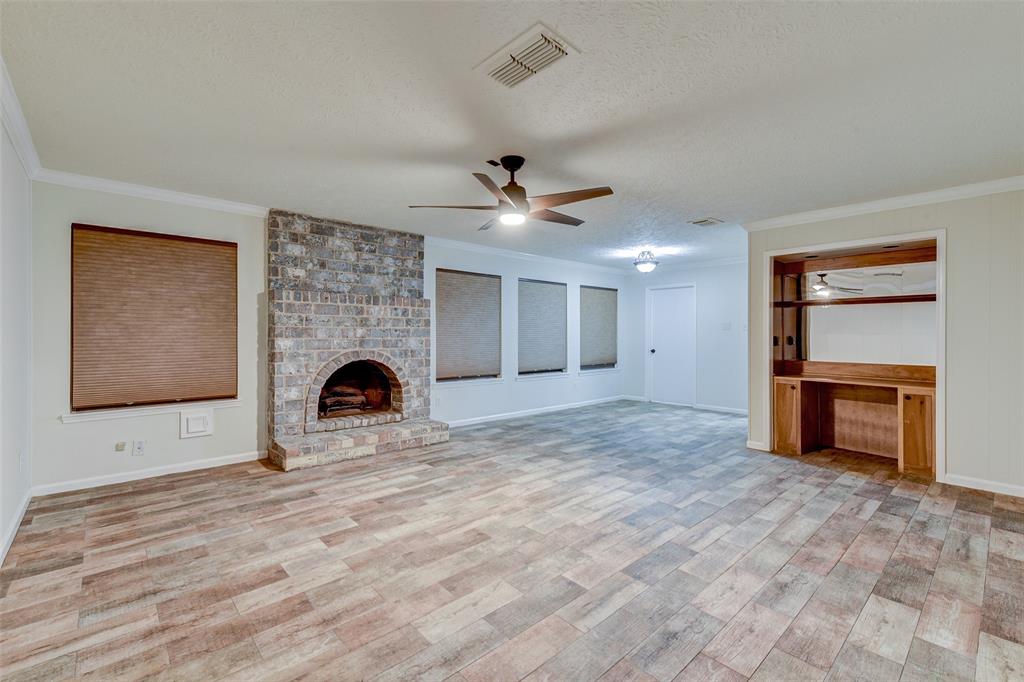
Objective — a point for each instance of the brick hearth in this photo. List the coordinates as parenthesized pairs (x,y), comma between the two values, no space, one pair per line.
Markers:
(338,293)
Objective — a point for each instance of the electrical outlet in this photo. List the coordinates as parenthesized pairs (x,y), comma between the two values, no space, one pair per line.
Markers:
(119,446)
(138,448)
(22,461)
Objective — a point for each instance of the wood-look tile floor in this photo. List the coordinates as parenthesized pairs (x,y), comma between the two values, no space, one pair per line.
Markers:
(618,542)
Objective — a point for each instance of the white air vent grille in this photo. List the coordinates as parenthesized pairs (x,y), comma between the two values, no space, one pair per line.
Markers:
(525,56)
(706,222)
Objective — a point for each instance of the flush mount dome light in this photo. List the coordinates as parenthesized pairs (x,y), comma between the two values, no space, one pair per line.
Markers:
(645,262)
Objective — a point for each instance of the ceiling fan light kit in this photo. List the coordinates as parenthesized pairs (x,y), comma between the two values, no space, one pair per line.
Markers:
(512,218)
(645,262)
(514,207)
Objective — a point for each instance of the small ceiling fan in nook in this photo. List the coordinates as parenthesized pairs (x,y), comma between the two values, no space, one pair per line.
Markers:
(514,207)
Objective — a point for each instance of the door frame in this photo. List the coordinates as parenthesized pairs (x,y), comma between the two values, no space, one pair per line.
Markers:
(649,337)
(765,338)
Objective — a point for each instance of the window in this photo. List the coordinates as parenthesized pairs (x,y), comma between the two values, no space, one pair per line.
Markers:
(153,318)
(599,309)
(468,325)
(542,327)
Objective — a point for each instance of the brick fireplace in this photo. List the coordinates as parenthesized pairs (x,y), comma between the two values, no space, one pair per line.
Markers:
(349,342)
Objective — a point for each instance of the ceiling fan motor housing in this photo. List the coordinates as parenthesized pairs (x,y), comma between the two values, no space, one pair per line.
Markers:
(512,162)
(518,196)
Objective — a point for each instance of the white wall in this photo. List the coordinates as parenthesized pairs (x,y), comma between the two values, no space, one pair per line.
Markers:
(66,455)
(721,330)
(15,340)
(900,334)
(984,376)
(461,402)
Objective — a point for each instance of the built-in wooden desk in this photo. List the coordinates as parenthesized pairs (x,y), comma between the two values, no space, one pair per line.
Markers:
(874,408)
(890,417)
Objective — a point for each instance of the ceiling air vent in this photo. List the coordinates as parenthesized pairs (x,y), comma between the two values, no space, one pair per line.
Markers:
(537,49)
(705,222)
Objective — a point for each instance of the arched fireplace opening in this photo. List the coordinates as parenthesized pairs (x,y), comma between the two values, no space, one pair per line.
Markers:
(354,389)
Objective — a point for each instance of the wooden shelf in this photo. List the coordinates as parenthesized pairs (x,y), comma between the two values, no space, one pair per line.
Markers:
(864,300)
(924,386)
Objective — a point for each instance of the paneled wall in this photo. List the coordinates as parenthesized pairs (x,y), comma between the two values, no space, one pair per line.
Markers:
(984,325)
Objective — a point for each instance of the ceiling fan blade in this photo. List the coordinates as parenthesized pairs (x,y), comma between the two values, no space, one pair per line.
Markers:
(562,198)
(472,208)
(555,217)
(486,181)
(487,225)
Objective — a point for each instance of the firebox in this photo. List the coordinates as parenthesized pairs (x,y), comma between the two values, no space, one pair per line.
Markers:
(356,388)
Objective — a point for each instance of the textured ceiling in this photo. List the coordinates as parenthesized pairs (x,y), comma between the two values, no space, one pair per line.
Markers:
(742,111)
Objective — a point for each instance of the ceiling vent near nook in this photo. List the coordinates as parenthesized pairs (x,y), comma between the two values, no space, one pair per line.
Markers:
(705,222)
(536,49)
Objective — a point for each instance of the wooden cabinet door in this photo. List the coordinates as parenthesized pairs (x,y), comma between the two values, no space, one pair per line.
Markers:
(786,401)
(917,433)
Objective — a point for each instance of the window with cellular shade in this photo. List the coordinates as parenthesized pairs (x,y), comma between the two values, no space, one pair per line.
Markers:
(599,311)
(542,327)
(153,318)
(468,325)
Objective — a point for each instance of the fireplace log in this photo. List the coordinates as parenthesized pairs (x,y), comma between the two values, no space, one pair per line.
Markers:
(344,401)
(344,390)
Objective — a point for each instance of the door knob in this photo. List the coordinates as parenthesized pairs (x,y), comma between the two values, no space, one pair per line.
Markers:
(652,350)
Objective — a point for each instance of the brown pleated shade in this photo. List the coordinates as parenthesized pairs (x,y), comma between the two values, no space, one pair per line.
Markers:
(153,318)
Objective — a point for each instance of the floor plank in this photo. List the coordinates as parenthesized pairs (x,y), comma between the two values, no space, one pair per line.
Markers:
(624,541)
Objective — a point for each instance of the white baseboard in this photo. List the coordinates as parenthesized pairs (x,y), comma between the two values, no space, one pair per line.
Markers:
(983,484)
(754,445)
(139,474)
(14,525)
(665,402)
(539,410)
(719,408)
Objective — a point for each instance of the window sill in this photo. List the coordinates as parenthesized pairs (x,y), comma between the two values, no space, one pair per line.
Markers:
(145,410)
(601,370)
(482,381)
(542,377)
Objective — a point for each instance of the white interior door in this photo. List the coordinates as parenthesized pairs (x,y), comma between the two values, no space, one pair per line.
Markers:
(673,346)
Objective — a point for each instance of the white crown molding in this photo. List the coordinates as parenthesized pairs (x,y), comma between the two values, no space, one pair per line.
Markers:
(508,253)
(697,264)
(622,272)
(16,125)
(143,192)
(979,189)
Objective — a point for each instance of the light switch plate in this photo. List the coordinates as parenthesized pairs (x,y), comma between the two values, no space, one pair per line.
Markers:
(195,423)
